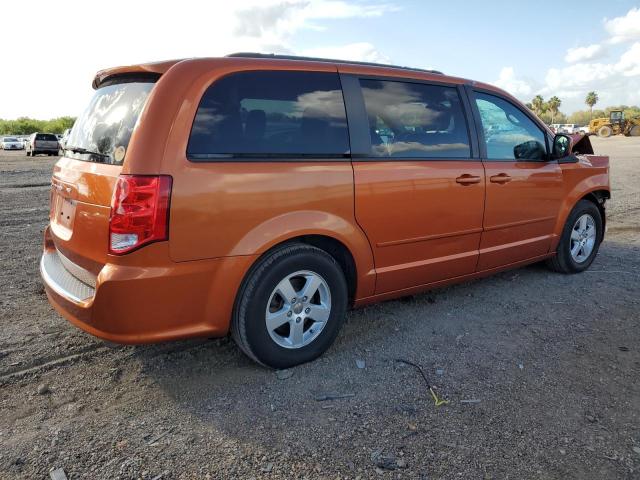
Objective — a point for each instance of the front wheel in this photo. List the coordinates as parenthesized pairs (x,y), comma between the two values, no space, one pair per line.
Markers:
(580,239)
(605,131)
(291,307)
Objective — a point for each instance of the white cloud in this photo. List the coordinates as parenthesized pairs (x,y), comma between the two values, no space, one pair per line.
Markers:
(277,22)
(89,37)
(507,81)
(576,75)
(624,28)
(629,64)
(580,54)
(362,51)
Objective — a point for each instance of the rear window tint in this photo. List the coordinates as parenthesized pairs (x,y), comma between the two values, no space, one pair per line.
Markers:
(49,137)
(271,113)
(102,132)
(414,120)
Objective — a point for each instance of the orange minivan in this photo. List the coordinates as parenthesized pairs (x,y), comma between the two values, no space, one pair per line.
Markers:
(263,195)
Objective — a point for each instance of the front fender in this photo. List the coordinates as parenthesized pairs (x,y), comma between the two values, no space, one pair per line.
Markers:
(282,228)
(580,180)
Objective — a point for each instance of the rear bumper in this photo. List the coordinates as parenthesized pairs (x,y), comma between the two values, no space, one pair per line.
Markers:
(145,304)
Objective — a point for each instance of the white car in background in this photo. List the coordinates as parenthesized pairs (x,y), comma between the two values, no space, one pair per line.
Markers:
(11,143)
(568,128)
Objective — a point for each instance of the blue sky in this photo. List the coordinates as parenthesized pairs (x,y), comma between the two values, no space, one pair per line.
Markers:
(527,48)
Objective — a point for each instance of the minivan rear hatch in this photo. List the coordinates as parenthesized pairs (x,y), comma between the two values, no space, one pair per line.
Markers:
(84,179)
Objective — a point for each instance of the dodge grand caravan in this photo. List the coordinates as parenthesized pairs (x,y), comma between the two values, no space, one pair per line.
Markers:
(264,195)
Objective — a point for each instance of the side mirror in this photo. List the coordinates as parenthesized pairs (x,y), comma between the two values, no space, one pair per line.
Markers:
(561,146)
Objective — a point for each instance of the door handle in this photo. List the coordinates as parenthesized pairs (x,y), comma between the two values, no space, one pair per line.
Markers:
(500,178)
(467,179)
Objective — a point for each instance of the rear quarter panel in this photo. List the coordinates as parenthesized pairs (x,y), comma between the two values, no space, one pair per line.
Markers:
(237,208)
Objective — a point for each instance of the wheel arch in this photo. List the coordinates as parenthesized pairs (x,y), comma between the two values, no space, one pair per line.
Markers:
(342,239)
(597,195)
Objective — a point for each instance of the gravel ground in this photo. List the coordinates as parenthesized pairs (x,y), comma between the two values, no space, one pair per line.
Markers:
(550,363)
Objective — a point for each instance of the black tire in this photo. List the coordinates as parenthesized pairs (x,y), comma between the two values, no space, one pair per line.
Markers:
(635,131)
(248,327)
(564,262)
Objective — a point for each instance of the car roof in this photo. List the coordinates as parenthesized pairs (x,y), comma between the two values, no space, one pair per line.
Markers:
(261,60)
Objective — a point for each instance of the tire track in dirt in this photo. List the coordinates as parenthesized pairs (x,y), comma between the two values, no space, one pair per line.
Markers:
(45,363)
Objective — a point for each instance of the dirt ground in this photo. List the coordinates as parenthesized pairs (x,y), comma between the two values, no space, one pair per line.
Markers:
(550,362)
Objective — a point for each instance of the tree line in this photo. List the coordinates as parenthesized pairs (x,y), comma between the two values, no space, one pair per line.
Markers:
(549,110)
(27,126)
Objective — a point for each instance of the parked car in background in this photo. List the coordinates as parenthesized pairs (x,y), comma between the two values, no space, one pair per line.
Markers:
(243,200)
(568,128)
(555,127)
(11,143)
(584,129)
(42,143)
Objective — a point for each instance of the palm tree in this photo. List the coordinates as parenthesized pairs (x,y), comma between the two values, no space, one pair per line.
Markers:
(591,100)
(538,104)
(554,104)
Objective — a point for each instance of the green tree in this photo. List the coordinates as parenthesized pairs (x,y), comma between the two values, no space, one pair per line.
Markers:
(591,100)
(554,104)
(538,104)
(27,126)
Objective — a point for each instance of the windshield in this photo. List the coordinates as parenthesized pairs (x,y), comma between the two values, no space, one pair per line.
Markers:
(103,131)
(10,139)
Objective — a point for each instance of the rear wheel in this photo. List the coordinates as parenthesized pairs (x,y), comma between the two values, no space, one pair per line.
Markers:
(605,131)
(580,239)
(635,131)
(291,306)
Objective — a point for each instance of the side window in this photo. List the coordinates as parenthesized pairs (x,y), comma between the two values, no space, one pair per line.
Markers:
(415,120)
(509,134)
(271,113)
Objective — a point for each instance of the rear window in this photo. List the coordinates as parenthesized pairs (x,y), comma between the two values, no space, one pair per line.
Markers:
(46,137)
(271,113)
(102,132)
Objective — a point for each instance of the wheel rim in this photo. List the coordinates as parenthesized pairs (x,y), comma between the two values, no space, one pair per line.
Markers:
(583,238)
(298,309)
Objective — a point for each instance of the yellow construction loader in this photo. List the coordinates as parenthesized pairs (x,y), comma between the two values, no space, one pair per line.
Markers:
(615,124)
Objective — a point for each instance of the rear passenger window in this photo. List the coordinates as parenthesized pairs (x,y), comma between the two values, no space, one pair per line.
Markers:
(271,113)
(509,134)
(415,120)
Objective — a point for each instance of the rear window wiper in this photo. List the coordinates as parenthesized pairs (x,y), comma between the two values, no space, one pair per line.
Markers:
(88,152)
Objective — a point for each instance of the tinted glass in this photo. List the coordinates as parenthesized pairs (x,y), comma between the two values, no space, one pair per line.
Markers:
(49,137)
(509,133)
(415,120)
(103,131)
(271,113)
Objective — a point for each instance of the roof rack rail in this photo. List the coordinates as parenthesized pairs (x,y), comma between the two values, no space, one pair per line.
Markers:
(328,60)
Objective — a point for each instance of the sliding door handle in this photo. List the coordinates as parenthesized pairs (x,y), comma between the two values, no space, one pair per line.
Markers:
(500,178)
(467,179)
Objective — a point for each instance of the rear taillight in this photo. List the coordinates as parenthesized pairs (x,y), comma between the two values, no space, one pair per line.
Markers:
(139,212)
